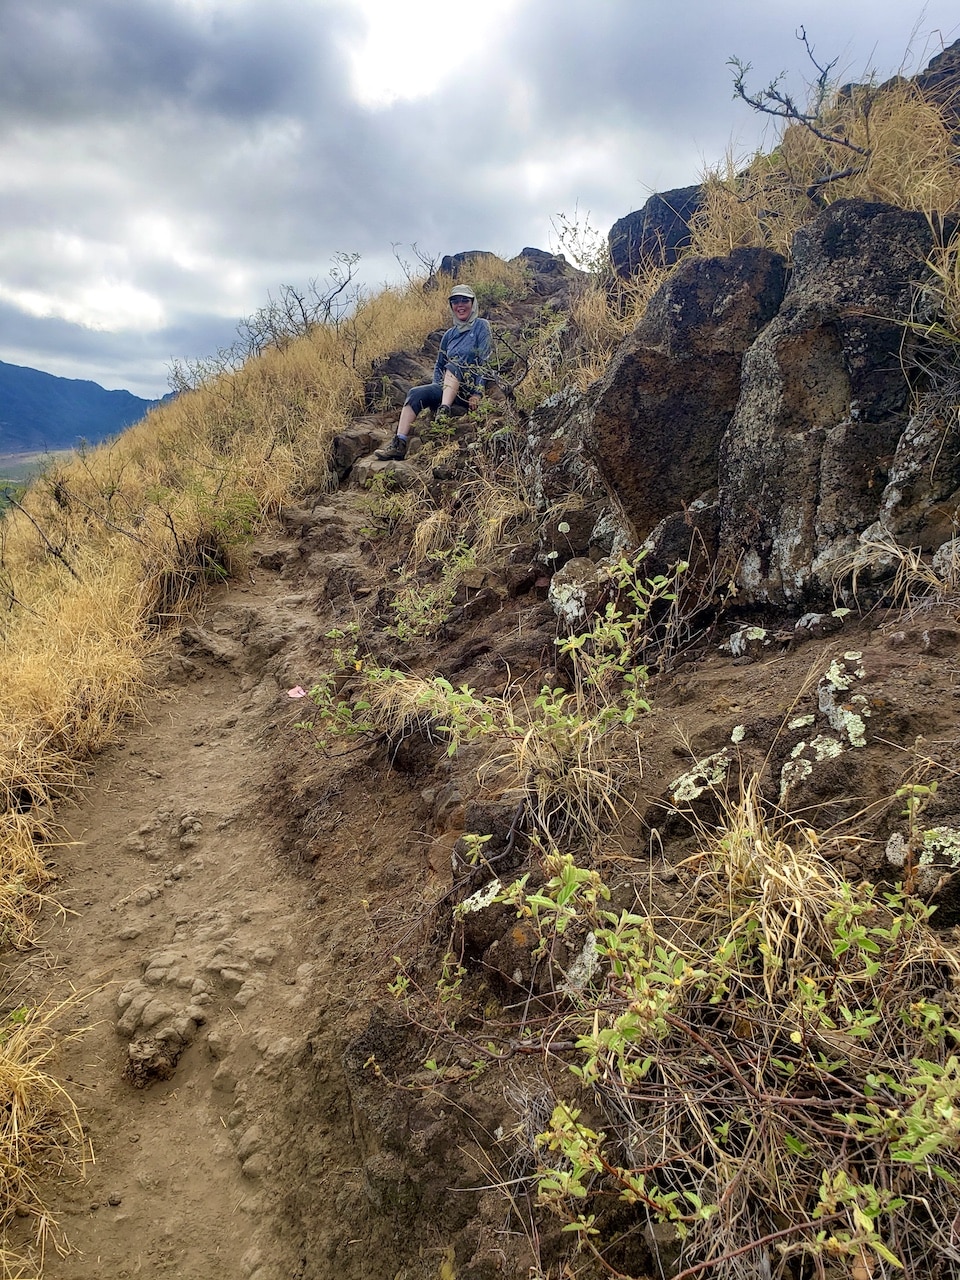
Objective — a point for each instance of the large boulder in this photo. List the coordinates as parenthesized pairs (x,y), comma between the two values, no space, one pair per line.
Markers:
(824,403)
(392,376)
(457,264)
(553,460)
(652,425)
(656,234)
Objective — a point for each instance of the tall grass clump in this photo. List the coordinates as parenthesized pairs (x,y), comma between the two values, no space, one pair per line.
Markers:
(574,351)
(905,155)
(40,1132)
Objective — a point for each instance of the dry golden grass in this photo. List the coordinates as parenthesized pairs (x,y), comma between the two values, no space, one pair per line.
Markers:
(911,163)
(430,535)
(494,278)
(498,508)
(39,1130)
(942,291)
(906,577)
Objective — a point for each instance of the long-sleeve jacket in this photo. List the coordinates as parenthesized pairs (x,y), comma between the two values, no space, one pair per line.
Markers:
(467,356)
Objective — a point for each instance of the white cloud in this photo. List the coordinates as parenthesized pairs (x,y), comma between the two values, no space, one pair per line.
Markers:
(411,48)
(107,305)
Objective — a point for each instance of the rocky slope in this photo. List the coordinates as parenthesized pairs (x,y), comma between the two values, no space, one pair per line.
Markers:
(236,900)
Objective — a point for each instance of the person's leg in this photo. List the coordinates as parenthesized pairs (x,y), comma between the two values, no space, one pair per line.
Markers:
(418,398)
(451,389)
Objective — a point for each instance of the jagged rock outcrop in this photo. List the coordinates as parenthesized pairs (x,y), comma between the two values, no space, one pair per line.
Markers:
(940,81)
(654,422)
(783,415)
(550,273)
(823,403)
(655,234)
(452,264)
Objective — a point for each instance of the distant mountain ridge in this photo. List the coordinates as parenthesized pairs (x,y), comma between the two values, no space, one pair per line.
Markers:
(40,411)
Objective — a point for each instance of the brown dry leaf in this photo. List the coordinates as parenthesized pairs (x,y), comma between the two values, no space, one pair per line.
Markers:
(864,1265)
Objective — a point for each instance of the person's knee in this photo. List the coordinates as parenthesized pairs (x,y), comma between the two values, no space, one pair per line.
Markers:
(425,397)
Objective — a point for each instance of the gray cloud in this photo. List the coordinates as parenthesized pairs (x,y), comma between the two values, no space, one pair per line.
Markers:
(87,59)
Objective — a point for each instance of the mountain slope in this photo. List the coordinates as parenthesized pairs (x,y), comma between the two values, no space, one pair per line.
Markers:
(41,411)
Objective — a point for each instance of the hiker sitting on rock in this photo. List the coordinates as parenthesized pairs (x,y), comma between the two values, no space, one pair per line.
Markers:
(460,375)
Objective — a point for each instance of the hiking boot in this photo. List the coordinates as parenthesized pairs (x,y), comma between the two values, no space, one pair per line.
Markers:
(395,451)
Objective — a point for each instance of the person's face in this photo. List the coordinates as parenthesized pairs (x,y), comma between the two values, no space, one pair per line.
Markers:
(461,307)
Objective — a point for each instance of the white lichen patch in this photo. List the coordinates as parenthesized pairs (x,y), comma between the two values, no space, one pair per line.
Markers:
(747,640)
(708,773)
(846,715)
(825,748)
(793,771)
(482,898)
(896,850)
(850,719)
(804,756)
(583,968)
(941,847)
(801,722)
(843,671)
(927,875)
(569,602)
(738,734)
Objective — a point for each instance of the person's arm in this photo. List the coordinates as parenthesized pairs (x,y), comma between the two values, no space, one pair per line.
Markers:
(484,352)
(440,367)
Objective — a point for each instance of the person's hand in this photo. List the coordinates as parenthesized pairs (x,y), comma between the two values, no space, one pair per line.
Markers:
(474,402)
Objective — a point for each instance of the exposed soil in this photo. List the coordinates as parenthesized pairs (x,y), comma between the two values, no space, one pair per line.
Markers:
(233,900)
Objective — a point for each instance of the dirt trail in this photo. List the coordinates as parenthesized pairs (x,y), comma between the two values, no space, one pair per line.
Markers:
(187,932)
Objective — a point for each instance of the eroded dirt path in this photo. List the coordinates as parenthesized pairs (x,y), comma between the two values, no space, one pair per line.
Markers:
(185,933)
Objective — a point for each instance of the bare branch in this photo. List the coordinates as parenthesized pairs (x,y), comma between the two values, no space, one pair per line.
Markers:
(775,101)
(292,314)
(850,172)
(56,552)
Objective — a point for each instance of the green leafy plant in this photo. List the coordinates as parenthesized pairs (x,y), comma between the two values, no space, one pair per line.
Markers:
(714,1065)
(421,608)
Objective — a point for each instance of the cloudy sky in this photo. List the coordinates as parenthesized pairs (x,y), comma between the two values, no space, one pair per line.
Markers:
(165,164)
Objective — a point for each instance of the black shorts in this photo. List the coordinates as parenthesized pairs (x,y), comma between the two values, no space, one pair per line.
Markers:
(429,397)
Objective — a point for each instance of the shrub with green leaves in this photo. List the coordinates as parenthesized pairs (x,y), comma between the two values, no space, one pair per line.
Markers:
(780,1084)
(568,753)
